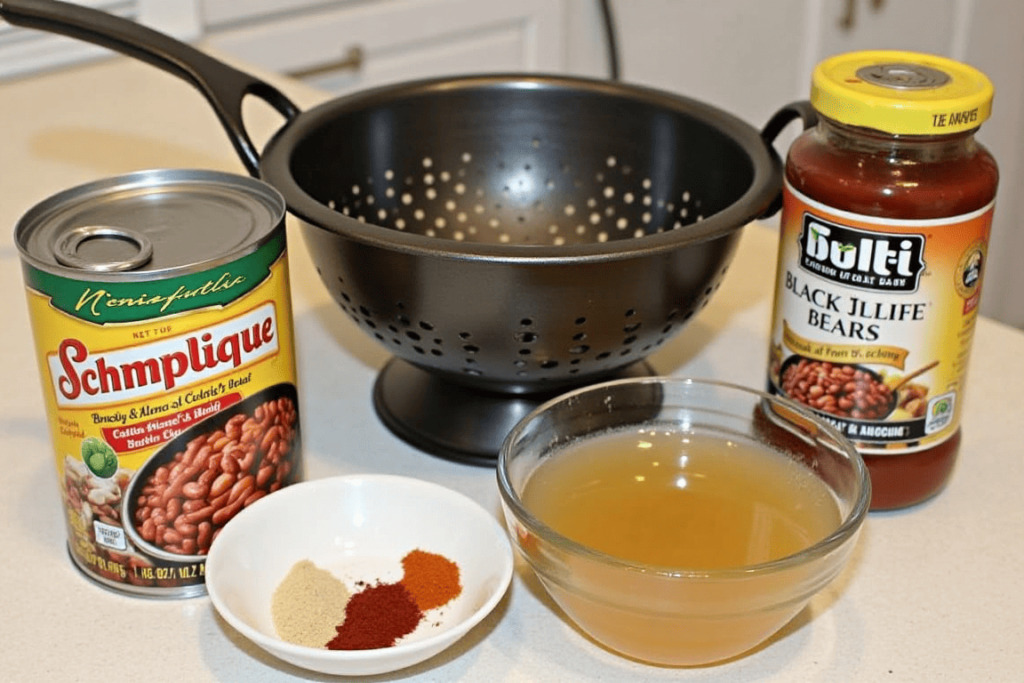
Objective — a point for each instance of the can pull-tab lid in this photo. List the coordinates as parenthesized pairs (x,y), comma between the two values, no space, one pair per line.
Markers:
(103,249)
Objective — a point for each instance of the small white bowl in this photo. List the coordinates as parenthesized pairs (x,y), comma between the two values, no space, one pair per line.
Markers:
(359,527)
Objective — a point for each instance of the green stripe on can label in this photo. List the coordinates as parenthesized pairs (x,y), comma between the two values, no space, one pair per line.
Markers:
(106,303)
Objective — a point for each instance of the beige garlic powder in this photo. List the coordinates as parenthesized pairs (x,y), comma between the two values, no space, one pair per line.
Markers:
(308,605)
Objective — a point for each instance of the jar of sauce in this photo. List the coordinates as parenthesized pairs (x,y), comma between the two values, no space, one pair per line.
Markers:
(887,209)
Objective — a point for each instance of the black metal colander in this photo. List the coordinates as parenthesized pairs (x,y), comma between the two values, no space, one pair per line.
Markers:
(510,237)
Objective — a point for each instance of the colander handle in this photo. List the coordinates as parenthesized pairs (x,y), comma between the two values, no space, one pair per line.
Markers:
(802,110)
(223,86)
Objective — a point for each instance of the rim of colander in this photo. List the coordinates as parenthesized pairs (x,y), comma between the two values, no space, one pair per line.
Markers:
(765,185)
(851,523)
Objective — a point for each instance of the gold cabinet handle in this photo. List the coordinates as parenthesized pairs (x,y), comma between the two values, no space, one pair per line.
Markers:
(849,18)
(352,60)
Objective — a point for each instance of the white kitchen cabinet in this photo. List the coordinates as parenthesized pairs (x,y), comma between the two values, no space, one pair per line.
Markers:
(341,46)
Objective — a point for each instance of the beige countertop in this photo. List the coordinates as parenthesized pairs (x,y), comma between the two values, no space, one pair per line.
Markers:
(933,593)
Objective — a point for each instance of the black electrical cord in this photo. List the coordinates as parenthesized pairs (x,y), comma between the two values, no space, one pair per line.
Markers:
(611,42)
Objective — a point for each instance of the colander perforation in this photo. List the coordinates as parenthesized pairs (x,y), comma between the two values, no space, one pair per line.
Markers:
(487,199)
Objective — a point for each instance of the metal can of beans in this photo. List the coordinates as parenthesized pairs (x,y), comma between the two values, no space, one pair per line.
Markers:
(161,311)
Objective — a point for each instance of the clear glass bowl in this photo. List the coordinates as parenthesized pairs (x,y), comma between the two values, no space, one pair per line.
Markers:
(679,616)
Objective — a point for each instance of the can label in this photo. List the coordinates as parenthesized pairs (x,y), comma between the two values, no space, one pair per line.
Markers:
(874,318)
(173,405)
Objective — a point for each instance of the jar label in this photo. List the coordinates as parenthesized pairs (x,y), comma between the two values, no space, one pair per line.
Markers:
(874,318)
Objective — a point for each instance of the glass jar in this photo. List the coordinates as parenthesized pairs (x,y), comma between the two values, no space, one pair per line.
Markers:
(887,209)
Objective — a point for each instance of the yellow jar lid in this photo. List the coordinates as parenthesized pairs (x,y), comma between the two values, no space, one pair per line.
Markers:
(902,93)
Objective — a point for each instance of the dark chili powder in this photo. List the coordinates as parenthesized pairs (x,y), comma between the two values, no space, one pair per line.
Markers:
(376,617)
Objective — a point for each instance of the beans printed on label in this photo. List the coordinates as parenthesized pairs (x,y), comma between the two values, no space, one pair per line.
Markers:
(185,502)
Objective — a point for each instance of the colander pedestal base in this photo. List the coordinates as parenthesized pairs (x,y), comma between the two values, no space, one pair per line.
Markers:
(456,421)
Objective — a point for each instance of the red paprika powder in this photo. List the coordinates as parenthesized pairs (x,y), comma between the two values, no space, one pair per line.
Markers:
(375,617)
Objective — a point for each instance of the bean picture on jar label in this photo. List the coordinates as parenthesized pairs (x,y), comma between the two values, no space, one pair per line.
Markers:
(840,389)
(853,391)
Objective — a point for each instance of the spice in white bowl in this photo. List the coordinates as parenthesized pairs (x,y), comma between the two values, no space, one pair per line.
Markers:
(308,605)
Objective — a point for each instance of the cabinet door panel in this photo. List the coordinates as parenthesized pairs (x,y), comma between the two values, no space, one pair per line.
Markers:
(218,13)
(917,25)
(402,39)
(497,49)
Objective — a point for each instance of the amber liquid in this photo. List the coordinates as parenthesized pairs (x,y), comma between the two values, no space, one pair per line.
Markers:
(682,500)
